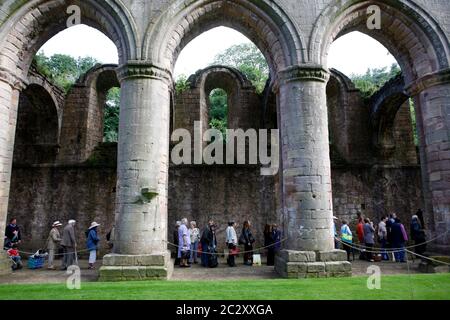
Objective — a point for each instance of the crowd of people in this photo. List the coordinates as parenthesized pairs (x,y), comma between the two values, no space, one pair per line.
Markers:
(190,242)
(390,234)
(64,241)
(388,237)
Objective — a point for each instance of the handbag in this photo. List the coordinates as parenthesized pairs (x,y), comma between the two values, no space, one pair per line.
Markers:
(234,251)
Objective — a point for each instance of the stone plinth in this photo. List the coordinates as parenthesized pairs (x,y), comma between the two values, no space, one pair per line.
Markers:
(5,264)
(118,267)
(309,264)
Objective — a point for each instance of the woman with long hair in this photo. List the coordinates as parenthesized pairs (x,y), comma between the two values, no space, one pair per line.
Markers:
(247,240)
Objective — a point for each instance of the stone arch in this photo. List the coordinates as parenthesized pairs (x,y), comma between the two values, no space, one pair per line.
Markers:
(408,32)
(390,118)
(82,128)
(264,23)
(347,114)
(37,21)
(37,130)
(239,89)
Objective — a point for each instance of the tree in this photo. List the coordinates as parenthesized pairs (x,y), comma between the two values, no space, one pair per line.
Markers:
(249,60)
(62,69)
(112,110)
(374,79)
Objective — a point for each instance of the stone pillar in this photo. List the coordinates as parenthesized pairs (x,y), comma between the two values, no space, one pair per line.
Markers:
(140,235)
(432,101)
(10,87)
(306,177)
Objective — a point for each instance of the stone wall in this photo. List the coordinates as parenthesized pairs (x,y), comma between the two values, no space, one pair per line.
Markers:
(42,194)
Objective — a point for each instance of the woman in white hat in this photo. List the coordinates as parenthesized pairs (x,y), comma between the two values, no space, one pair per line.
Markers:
(53,241)
(92,244)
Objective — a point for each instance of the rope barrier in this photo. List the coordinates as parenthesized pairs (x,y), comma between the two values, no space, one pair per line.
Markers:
(406,247)
(240,252)
(392,251)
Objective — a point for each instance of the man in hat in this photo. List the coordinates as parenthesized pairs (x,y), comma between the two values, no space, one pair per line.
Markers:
(53,241)
(92,244)
(69,244)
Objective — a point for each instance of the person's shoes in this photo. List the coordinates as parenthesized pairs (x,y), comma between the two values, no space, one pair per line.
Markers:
(371,260)
(51,268)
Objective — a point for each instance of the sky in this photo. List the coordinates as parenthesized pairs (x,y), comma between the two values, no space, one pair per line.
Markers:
(350,54)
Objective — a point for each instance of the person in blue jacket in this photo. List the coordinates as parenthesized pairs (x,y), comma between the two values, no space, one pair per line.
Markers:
(92,243)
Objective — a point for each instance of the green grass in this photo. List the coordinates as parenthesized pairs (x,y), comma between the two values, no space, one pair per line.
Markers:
(403,287)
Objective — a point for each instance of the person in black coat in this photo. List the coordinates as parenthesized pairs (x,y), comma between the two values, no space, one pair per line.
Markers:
(206,240)
(418,235)
(12,232)
(269,244)
(247,240)
(176,242)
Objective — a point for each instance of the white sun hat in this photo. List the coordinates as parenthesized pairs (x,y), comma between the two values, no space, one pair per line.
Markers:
(93,225)
(56,224)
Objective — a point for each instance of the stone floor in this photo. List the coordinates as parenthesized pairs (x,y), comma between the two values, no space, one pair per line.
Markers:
(196,272)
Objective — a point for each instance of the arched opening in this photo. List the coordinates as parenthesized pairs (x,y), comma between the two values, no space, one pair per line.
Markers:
(218,109)
(215,195)
(41,194)
(36,139)
(421,50)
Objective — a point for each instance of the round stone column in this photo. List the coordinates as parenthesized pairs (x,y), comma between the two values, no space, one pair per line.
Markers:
(306,177)
(432,102)
(140,234)
(10,87)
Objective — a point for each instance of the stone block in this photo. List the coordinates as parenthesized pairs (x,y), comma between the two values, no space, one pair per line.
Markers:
(316,267)
(333,255)
(5,264)
(135,260)
(298,256)
(338,266)
(108,273)
(133,273)
(136,272)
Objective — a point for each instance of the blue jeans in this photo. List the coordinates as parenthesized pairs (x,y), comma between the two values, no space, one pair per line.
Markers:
(194,249)
(384,254)
(399,254)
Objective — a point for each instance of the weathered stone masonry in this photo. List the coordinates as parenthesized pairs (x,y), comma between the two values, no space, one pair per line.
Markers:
(294,36)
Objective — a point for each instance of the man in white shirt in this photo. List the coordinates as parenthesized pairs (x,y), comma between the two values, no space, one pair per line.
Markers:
(382,236)
(231,243)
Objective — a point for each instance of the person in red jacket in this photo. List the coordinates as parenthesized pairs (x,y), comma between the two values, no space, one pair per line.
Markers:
(360,234)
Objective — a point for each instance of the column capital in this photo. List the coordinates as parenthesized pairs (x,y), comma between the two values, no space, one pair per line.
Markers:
(304,73)
(428,81)
(15,81)
(143,69)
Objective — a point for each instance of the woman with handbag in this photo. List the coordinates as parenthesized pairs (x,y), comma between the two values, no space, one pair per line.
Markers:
(231,243)
(247,240)
(184,243)
(195,238)
(347,238)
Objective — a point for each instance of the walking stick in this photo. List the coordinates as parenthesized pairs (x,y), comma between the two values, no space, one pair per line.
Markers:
(76,256)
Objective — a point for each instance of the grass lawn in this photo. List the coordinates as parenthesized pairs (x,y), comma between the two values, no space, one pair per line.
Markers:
(398,287)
